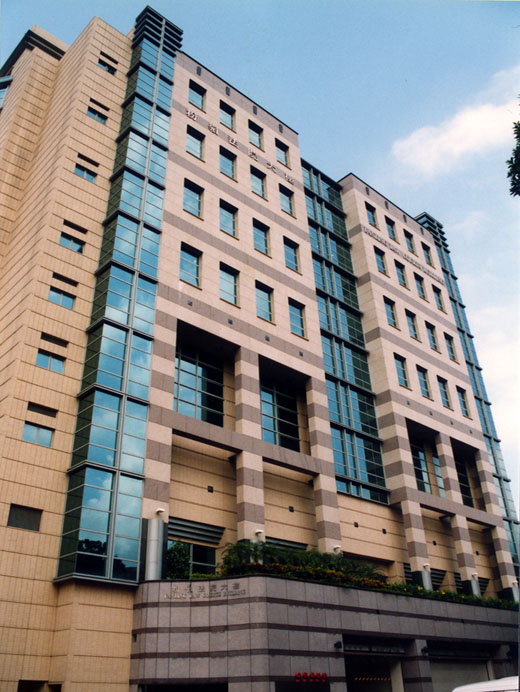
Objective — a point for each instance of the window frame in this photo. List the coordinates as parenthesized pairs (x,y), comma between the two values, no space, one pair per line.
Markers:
(427,254)
(439,302)
(194,88)
(401,370)
(390,227)
(225,271)
(463,401)
(291,254)
(391,313)
(400,270)
(194,136)
(419,285)
(450,347)
(424,384)
(85,173)
(264,295)
(380,260)
(296,318)
(191,256)
(371,215)
(192,191)
(233,214)
(228,158)
(38,432)
(256,139)
(261,228)
(96,115)
(230,111)
(444,391)
(432,336)
(282,152)
(410,242)
(286,200)
(53,291)
(257,177)
(411,321)
(52,359)
(71,243)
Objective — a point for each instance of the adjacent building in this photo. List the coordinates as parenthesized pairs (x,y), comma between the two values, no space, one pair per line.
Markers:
(205,339)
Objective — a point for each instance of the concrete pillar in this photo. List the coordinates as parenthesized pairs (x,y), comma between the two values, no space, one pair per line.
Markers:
(154,549)
(250,497)
(415,665)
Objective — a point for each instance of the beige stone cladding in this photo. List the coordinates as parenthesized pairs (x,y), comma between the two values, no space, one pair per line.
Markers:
(419,375)
(257,343)
(45,132)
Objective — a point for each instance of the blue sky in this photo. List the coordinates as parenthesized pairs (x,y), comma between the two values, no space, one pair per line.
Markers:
(416,97)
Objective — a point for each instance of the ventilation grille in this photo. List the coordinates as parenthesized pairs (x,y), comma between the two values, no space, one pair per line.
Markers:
(282,543)
(195,531)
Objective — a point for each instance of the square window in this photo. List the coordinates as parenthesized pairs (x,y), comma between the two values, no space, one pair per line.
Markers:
(261,237)
(196,95)
(409,242)
(85,173)
(286,200)
(291,254)
(401,274)
(419,284)
(380,260)
(71,243)
(296,318)
(37,434)
(190,265)
(282,152)
(391,317)
(400,366)
(49,361)
(227,115)
(227,162)
(97,115)
(255,134)
(62,298)
(105,66)
(228,284)
(258,182)
(194,142)
(21,517)
(264,302)
(192,200)
(228,218)
(371,214)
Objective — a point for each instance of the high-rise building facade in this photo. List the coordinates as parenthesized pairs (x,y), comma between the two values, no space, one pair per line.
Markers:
(207,340)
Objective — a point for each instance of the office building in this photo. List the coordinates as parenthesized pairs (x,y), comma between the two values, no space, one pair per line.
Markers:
(207,340)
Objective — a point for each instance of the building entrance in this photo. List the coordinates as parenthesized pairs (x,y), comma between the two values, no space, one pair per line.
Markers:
(368,673)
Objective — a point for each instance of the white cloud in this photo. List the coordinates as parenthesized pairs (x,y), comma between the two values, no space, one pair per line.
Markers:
(474,129)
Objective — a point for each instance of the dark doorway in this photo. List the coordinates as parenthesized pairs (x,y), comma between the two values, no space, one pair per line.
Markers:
(368,674)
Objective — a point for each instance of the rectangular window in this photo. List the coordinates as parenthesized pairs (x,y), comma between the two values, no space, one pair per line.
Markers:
(228,284)
(255,134)
(422,374)
(228,218)
(190,265)
(390,227)
(450,347)
(21,517)
(409,242)
(264,302)
(199,385)
(261,237)
(280,416)
(371,214)
(401,274)
(5,83)
(445,395)
(282,152)
(412,324)
(105,66)
(380,260)
(85,173)
(97,115)
(296,318)
(291,254)
(71,243)
(420,466)
(196,95)
(461,393)
(400,366)
(194,142)
(432,336)
(438,298)
(427,254)
(257,182)
(419,284)
(227,115)
(37,434)
(286,200)
(391,317)
(49,361)
(62,298)
(227,163)
(192,200)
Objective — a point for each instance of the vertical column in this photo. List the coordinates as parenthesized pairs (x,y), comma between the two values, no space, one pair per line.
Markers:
(249,466)
(449,471)
(417,674)
(328,526)
(399,471)
(459,524)
(500,543)
(416,543)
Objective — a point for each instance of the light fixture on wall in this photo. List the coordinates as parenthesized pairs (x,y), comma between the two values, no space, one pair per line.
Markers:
(159,510)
